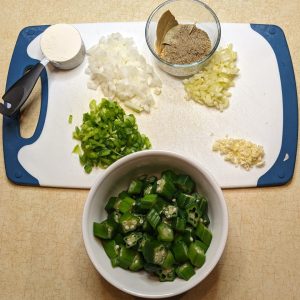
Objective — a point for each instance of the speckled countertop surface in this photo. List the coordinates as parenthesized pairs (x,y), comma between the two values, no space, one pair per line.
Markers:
(42,255)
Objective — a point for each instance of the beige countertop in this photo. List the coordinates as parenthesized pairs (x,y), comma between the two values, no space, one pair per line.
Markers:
(42,255)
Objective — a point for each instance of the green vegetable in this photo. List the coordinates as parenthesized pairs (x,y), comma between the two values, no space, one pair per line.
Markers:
(109,207)
(193,214)
(166,274)
(169,260)
(196,254)
(70,119)
(137,264)
(179,224)
(126,204)
(126,257)
(153,218)
(129,222)
(184,199)
(132,239)
(185,184)
(205,220)
(148,201)
(185,271)
(158,225)
(165,187)
(170,211)
(204,234)
(114,216)
(111,248)
(188,235)
(135,187)
(165,232)
(141,243)
(77,150)
(105,230)
(155,252)
(107,134)
(180,251)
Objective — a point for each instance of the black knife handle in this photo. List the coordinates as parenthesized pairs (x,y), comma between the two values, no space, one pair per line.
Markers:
(19,92)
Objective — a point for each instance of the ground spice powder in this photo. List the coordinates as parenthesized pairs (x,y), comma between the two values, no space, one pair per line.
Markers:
(184,44)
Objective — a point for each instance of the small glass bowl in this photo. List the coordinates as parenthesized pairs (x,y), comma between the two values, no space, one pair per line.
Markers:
(185,12)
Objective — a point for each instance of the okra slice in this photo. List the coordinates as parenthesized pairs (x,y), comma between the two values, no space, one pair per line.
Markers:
(138,263)
(149,189)
(184,199)
(185,271)
(119,238)
(126,204)
(196,255)
(147,227)
(137,208)
(155,252)
(188,235)
(205,220)
(160,205)
(193,214)
(111,248)
(129,222)
(105,230)
(132,239)
(168,274)
(182,213)
(153,218)
(148,201)
(185,183)
(165,232)
(126,257)
(151,268)
(202,245)
(141,243)
(123,194)
(170,211)
(135,187)
(165,188)
(150,185)
(180,251)
(115,262)
(169,261)
(114,216)
(141,218)
(203,233)
(109,207)
(171,175)
(203,205)
(179,224)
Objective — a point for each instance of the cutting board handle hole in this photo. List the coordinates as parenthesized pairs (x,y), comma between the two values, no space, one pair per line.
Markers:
(30,111)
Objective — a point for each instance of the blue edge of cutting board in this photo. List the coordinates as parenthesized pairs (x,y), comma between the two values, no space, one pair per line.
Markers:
(280,173)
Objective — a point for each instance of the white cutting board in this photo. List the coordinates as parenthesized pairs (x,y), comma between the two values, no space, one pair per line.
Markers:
(254,113)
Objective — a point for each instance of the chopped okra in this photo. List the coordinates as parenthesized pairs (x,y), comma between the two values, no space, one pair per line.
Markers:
(158,224)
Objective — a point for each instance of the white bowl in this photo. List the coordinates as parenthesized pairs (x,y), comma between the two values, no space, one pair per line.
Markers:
(115,179)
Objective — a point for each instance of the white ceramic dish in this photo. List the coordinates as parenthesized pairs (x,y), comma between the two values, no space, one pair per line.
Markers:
(115,179)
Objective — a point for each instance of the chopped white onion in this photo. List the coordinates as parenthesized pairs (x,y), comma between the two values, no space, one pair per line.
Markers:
(116,66)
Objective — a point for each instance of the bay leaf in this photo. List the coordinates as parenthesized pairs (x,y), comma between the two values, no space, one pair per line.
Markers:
(165,23)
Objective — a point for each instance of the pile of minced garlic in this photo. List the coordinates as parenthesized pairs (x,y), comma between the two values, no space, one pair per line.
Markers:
(240,152)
